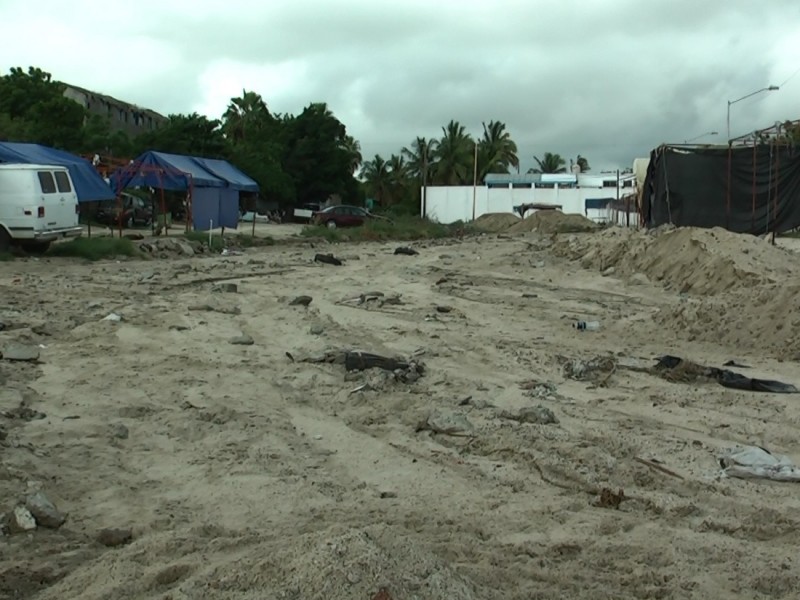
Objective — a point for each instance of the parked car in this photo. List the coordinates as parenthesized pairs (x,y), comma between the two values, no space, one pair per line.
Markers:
(250,215)
(343,216)
(38,205)
(134,211)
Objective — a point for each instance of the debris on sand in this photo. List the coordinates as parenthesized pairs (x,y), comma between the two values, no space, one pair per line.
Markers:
(447,423)
(328,259)
(610,499)
(536,415)
(44,511)
(554,221)
(406,251)
(242,340)
(20,352)
(597,370)
(225,288)
(20,520)
(301,301)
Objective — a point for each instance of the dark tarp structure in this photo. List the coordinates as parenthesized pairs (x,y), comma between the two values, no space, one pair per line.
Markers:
(746,189)
(214,184)
(89,186)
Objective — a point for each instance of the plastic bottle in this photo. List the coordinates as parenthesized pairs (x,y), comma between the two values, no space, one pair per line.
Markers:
(587,325)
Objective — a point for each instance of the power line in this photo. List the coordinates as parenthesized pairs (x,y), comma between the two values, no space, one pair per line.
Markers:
(792,76)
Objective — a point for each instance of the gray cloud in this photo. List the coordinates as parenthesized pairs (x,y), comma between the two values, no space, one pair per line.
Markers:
(608,79)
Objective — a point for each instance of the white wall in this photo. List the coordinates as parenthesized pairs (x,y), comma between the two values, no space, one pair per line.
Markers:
(447,204)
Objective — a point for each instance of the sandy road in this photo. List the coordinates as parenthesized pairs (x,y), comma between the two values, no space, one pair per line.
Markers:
(247,475)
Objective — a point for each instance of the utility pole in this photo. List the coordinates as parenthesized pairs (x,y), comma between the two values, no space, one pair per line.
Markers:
(474,181)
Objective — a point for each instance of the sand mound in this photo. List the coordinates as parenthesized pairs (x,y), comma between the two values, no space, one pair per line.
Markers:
(554,221)
(496,222)
(323,566)
(700,261)
(760,319)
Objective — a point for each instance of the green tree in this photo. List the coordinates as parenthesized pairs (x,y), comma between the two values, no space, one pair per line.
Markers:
(353,149)
(497,152)
(453,156)
(192,134)
(420,156)
(549,163)
(247,116)
(98,138)
(377,177)
(583,164)
(315,157)
(36,105)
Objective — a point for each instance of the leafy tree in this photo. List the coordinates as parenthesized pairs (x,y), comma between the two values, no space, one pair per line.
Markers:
(353,149)
(454,156)
(549,163)
(315,156)
(377,177)
(246,117)
(583,164)
(192,134)
(98,138)
(497,152)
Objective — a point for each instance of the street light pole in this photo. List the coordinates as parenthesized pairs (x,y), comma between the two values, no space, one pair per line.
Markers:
(772,88)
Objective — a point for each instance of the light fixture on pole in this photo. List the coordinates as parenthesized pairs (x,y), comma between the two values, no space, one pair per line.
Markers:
(701,135)
(772,88)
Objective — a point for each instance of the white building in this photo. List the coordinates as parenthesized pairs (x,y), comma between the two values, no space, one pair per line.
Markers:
(588,194)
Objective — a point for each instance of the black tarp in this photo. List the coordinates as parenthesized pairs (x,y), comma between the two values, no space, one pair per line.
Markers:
(748,189)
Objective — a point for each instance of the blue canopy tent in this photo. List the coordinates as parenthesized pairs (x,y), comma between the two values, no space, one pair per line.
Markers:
(213,185)
(89,186)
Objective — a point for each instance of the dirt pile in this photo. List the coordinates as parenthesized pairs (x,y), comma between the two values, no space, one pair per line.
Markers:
(496,222)
(765,318)
(690,260)
(554,221)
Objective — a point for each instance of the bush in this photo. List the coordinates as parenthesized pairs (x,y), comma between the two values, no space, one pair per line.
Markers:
(400,229)
(96,248)
(237,240)
(6,256)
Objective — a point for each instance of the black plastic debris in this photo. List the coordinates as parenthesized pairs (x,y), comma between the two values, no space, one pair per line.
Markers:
(731,379)
(328,259)
(406,251)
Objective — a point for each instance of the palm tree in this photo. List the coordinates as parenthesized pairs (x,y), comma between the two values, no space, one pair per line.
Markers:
(353,149)
(398,177)
(420,160)
(377,176)
(244,114)
(582,163)
(497,152)
(454,156)
(549,163)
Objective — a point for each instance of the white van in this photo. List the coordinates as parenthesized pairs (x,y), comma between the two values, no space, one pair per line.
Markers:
(38,205)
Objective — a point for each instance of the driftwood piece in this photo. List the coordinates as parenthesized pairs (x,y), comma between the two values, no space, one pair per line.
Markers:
(328,259)
(363,361)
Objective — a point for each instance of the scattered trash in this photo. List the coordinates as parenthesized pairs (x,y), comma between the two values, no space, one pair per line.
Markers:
(447,423)
(733,363)
(44,511)
(586,325)
(225,288)
(444,309)
(654,465)
(20,520)
(597,370)
(537,415)
(753,462)
(328,259)
(229,252)
(610,499)
(242,340)
(406,251)
(20,352)
(317,330)
(301,301)
(113,317)
(674,368)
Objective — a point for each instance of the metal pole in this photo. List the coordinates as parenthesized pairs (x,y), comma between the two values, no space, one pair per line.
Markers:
(425,183)
(474,181)
(728,119)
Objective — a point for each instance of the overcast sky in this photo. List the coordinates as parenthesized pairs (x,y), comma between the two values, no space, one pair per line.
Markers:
(609,79)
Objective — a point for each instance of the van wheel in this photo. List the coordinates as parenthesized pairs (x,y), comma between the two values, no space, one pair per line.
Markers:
(37,247)
(5,240)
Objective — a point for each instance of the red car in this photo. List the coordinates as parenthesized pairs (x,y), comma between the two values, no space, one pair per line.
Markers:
(341,216)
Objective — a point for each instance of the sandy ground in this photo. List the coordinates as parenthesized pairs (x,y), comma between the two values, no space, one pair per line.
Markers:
(243,473)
